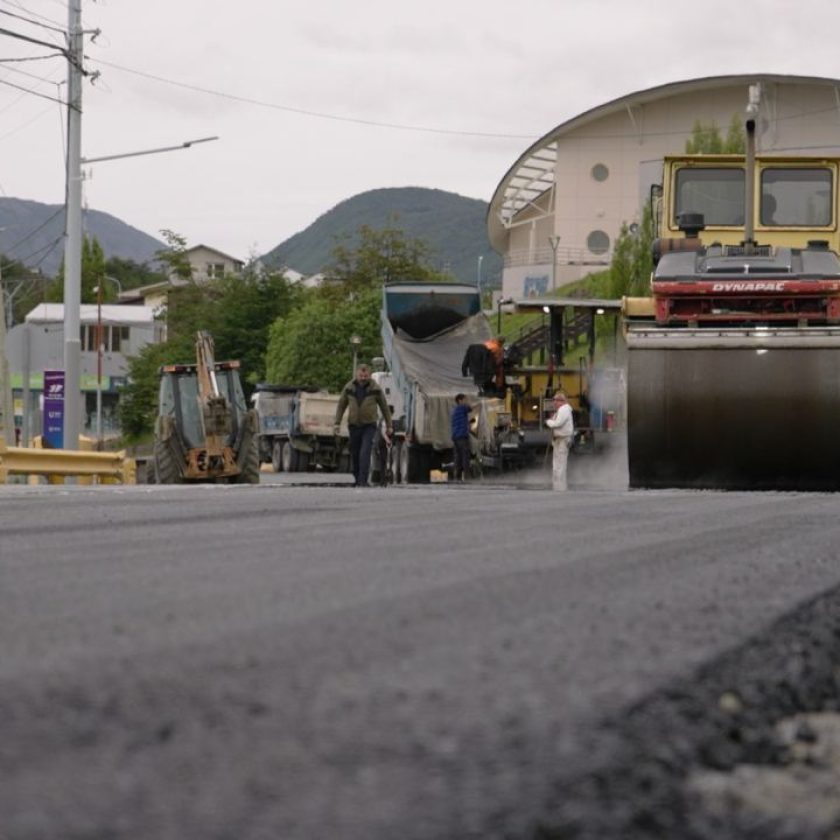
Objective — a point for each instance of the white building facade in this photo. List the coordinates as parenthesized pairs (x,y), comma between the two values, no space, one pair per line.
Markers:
(37,345)
(557,212)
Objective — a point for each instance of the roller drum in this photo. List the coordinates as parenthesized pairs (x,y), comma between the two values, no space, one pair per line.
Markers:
(734,418)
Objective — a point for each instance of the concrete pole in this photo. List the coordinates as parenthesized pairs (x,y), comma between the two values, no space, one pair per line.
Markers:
(73,243)
(27,397)
(6,405)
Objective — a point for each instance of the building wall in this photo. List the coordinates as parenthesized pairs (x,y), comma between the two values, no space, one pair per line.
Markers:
(629,146)
(209,264)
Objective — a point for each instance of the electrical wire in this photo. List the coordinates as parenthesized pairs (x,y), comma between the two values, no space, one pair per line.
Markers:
(33,22)
(33,92)
(23,8)
(29,235)
(307,113)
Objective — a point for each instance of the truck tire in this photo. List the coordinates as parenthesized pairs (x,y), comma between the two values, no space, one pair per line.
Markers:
(396,462)
(277,455)
(164,467)
(414,465)
(290,458)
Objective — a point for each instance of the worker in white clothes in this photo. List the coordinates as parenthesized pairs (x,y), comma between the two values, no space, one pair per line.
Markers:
(562,427)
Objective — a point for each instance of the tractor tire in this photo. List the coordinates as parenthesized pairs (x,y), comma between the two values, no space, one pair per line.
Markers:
(277,455)
(249,466)
(165,467)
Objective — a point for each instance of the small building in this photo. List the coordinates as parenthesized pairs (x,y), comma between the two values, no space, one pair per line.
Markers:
(37,345)
(209,264)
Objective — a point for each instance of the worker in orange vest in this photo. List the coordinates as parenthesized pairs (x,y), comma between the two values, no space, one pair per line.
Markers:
(497,347)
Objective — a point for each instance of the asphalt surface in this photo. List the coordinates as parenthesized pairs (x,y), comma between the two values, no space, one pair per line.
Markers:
(283,662)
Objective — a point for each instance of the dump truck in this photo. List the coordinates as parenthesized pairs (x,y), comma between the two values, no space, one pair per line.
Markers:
(204,431)
(296,429)
(426,330)
(734,359)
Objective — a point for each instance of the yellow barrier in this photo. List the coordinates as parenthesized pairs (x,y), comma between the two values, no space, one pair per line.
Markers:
(109,467)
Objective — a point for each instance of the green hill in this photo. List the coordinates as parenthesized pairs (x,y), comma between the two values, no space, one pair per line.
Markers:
(454,228)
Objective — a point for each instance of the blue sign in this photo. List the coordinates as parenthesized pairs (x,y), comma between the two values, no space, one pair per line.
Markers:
(54,408)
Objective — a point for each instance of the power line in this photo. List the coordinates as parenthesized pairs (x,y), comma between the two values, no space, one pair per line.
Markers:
(31,58)
(29,235)
(33,22)
(307,113)
(33,92)
(26,38)
(30,75)
(38,15)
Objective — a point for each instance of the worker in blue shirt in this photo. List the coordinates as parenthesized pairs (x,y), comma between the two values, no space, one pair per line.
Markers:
(461,436)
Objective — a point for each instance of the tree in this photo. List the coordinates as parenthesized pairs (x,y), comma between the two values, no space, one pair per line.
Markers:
(706,139)
(175,255)
(236,311)
(632,261)
(130,274)
(311,346)
(379,257)
(93,272)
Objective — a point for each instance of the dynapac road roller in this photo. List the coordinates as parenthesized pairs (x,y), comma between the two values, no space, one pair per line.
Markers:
(734,362)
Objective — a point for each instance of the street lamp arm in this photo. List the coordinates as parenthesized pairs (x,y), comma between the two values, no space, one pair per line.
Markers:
(185,145)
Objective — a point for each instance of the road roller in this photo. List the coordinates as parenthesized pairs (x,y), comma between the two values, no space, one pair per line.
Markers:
(733,378)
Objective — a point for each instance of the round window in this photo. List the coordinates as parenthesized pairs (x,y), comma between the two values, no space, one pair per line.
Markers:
(600,172)
(598,242)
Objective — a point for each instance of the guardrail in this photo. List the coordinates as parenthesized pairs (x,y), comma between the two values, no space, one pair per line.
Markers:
(56,464)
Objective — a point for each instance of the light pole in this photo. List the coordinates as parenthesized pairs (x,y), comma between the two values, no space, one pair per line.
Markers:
(501,302)
(478,271)
(355,341)
(554,241)
(6,403)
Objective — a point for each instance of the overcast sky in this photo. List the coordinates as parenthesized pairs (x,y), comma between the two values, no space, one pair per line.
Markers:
(316,102)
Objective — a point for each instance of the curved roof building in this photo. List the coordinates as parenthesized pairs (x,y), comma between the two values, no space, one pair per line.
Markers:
(558,210)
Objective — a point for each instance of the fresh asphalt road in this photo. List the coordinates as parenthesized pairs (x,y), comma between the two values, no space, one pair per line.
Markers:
(310,662)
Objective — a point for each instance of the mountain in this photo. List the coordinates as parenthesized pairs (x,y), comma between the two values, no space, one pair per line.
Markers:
(454,227)
(33,234)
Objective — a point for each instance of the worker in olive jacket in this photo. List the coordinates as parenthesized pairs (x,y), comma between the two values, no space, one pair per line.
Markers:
(361,397)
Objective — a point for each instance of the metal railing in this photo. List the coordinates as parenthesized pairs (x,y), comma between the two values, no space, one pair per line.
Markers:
(56,464)
(565,256)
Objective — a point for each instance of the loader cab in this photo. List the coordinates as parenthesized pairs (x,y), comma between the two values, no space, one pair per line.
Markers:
(178,398)
(795,199)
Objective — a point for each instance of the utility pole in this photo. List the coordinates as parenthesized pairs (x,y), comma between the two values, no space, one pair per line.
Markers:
(6,405)
(73,242)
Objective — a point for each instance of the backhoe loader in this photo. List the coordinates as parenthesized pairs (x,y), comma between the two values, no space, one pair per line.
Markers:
(204,431)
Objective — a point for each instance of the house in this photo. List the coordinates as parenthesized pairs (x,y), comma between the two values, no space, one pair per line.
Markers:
(209,264)
(37,345)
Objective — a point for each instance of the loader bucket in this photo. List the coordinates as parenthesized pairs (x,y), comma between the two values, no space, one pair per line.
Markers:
(748,411)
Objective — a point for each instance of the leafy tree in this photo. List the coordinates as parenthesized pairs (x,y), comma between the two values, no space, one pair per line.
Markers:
(311,346)
(175,255)
(735,138)
(93,272)
(379,257)
(237,311)
(130,274)
(706,138)
(632,261)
